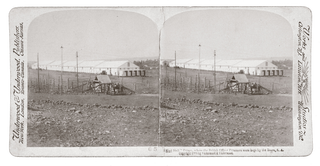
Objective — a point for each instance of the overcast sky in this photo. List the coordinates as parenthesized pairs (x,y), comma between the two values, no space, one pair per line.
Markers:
(108,34)
(234,34)
(95,34)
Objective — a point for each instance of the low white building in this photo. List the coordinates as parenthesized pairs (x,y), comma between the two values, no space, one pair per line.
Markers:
(56,65)
(42,65)
(193,64)
(71,66)
(88,66)
(180,63)
(226,65)
(119,68)
(208,64)
(252,67)
(255,67)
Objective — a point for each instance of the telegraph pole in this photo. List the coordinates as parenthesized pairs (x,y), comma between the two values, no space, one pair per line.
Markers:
(166,78)
(61,70)
(214,76)
(77,73)
(199,69)
(175,70)
(38,73)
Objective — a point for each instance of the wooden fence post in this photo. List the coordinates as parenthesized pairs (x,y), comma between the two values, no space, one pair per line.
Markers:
(182,82)
(59,86)
(40,84)
(205,80)
(81,87)
(49,85)
(196,81)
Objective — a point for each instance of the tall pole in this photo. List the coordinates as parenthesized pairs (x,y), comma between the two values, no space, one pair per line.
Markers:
(175,70)
(259,85)
(214,76)
(38,73)
(77,72)
(199,69)
(166,79)
(61,71)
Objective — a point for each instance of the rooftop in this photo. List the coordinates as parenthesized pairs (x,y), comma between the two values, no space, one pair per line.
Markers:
(249,63)
(72,63)
(112,64)
(228,62)
(90,63)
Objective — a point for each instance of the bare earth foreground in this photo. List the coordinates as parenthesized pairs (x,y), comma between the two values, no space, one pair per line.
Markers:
(186,119)
(92,120)
(226,120)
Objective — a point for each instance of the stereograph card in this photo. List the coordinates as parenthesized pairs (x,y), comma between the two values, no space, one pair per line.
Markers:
(160,81)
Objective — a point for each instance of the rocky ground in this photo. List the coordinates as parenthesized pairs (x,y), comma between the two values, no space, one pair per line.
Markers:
(58,123)
(90,120)
(195,122)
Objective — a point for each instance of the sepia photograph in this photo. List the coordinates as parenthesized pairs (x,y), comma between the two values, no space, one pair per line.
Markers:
(92,79)
(160,81)
(226,79)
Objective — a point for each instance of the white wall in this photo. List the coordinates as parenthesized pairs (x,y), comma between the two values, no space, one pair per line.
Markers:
(207,67)
(69,68)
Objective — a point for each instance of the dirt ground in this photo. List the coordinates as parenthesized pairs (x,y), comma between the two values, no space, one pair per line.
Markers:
(184,119)
(226,120)
(91,120)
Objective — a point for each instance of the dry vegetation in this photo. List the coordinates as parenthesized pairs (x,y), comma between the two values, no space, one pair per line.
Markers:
(206,119)
(279,84)
(49,81)
(91,120)
(225,120)
(185,119)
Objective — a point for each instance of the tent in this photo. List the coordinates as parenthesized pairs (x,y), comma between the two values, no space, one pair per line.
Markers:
(240,78)
(104,79)
(238,83)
